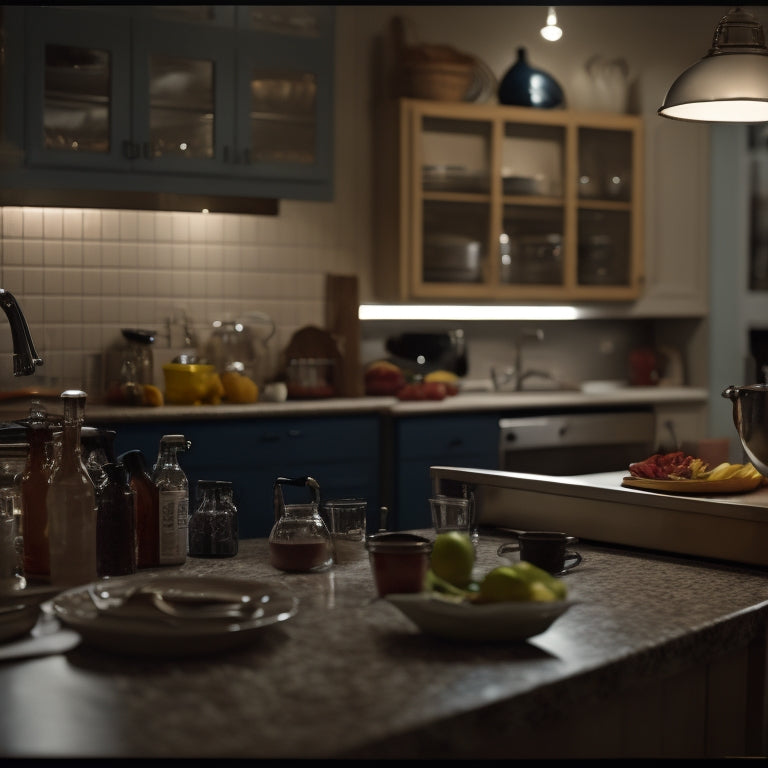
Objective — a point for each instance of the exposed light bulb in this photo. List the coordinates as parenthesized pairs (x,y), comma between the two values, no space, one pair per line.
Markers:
(551,32)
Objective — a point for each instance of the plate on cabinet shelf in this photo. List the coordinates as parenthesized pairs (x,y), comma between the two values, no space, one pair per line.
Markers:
(453,178)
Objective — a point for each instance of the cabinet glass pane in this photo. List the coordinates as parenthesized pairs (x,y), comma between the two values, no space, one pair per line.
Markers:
(531,246)
(605,162)
(283,116)
(181,116)
(604,247)
(76,113)
(532,159)
(292,20)
(455,155)
(195,14)
(455,238)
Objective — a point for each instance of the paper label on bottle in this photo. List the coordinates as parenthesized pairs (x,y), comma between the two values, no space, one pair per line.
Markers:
(173,526)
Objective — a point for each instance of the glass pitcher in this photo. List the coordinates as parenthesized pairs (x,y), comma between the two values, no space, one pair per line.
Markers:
(299,540)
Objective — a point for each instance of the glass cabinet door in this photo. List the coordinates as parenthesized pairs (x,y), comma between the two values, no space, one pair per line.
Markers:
(75,73)
(453,239)
(604,222)
(531,245)
(182,118)
(285,90)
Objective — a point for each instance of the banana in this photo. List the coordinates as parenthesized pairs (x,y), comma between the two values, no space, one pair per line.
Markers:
(725,471)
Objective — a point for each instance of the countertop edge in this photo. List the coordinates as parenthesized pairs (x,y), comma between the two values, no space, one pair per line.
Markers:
(469,402)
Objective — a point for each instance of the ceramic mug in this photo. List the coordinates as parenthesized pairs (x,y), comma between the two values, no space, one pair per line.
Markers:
(545,549)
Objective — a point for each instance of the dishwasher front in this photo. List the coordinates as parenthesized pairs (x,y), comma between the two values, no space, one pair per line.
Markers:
(576,443)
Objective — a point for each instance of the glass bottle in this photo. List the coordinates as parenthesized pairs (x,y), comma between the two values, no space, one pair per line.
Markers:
(147,500)
(213,524)
(71,503)
(116,524)
(173,488)
(34,490)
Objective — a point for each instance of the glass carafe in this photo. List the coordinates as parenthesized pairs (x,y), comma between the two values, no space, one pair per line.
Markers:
(300,540)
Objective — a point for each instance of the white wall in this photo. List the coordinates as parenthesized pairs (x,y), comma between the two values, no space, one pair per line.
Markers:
(81,275)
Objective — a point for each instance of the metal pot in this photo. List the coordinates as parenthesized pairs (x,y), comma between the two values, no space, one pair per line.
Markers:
(750,416)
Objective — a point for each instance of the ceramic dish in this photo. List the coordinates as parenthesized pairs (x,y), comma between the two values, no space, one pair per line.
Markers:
(146,631)
(726,485)
(17,619)
(460,620)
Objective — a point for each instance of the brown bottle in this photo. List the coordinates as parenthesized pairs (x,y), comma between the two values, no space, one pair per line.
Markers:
(147,501)
(34,490)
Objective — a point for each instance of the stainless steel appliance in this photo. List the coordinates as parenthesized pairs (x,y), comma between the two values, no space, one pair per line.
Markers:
(575,443)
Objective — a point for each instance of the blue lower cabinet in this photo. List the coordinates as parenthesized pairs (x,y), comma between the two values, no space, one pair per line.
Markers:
(341,453)
(463,440)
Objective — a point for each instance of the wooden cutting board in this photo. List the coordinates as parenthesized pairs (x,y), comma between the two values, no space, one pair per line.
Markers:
(342,320)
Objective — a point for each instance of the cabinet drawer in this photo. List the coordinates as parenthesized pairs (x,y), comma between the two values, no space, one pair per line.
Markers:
(426,437)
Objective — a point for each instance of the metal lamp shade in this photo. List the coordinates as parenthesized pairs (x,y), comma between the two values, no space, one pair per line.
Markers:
(730,84)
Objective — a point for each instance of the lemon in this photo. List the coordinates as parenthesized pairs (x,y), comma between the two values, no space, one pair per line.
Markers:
(238,388)
(504,584)
(453,557)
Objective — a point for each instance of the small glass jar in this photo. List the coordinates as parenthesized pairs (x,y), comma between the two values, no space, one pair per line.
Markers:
(399,562)
(300,540)
(213,528)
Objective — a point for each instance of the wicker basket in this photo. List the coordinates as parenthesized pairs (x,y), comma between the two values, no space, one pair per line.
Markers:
(438,80)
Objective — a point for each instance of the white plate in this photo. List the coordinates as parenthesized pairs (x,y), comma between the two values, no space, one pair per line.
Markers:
(461,620)
(152,633)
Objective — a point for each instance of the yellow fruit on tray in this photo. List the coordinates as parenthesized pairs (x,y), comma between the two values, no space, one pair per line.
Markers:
(239,388)
(451,380)
(453,557)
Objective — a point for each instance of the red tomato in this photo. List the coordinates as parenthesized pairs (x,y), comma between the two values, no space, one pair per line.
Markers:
(412,392)
(434,390)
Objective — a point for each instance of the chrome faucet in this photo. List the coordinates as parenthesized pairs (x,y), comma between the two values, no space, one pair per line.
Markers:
(25,358)
(515,375)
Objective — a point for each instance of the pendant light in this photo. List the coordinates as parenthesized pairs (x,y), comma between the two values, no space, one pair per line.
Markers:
(551,32)
(730,84)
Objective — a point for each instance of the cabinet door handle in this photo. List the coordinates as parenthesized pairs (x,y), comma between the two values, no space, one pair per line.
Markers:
(130,149)
(294,433)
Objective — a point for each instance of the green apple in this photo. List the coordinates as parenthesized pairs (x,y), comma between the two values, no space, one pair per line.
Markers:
(453,558)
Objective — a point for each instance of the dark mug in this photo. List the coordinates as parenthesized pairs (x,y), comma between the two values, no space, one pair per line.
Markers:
(545,549)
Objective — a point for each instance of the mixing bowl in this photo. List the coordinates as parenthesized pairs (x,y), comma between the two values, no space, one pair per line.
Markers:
(750,416)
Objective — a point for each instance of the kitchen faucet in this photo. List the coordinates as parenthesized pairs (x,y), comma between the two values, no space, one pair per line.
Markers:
(25,357)
(515,374)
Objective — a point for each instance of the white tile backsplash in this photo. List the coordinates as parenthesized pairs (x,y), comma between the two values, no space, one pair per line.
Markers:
(81,274)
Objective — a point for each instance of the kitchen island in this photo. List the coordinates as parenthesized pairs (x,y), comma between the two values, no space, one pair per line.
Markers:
(661,656)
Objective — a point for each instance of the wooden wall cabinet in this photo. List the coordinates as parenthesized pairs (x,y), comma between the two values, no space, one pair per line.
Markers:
(487,202)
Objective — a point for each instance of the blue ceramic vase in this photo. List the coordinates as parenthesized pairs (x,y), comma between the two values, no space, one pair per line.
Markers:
(524,86)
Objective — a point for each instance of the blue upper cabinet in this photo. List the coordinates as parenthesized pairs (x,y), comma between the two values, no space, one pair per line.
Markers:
(216,100)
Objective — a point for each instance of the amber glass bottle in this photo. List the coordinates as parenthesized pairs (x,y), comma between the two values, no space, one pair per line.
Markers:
(147,501)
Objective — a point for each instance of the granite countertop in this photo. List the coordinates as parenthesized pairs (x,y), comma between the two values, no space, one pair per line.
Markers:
(464,402)
(349,676)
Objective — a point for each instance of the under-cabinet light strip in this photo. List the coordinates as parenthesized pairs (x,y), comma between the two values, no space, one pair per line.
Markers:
(464,312)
